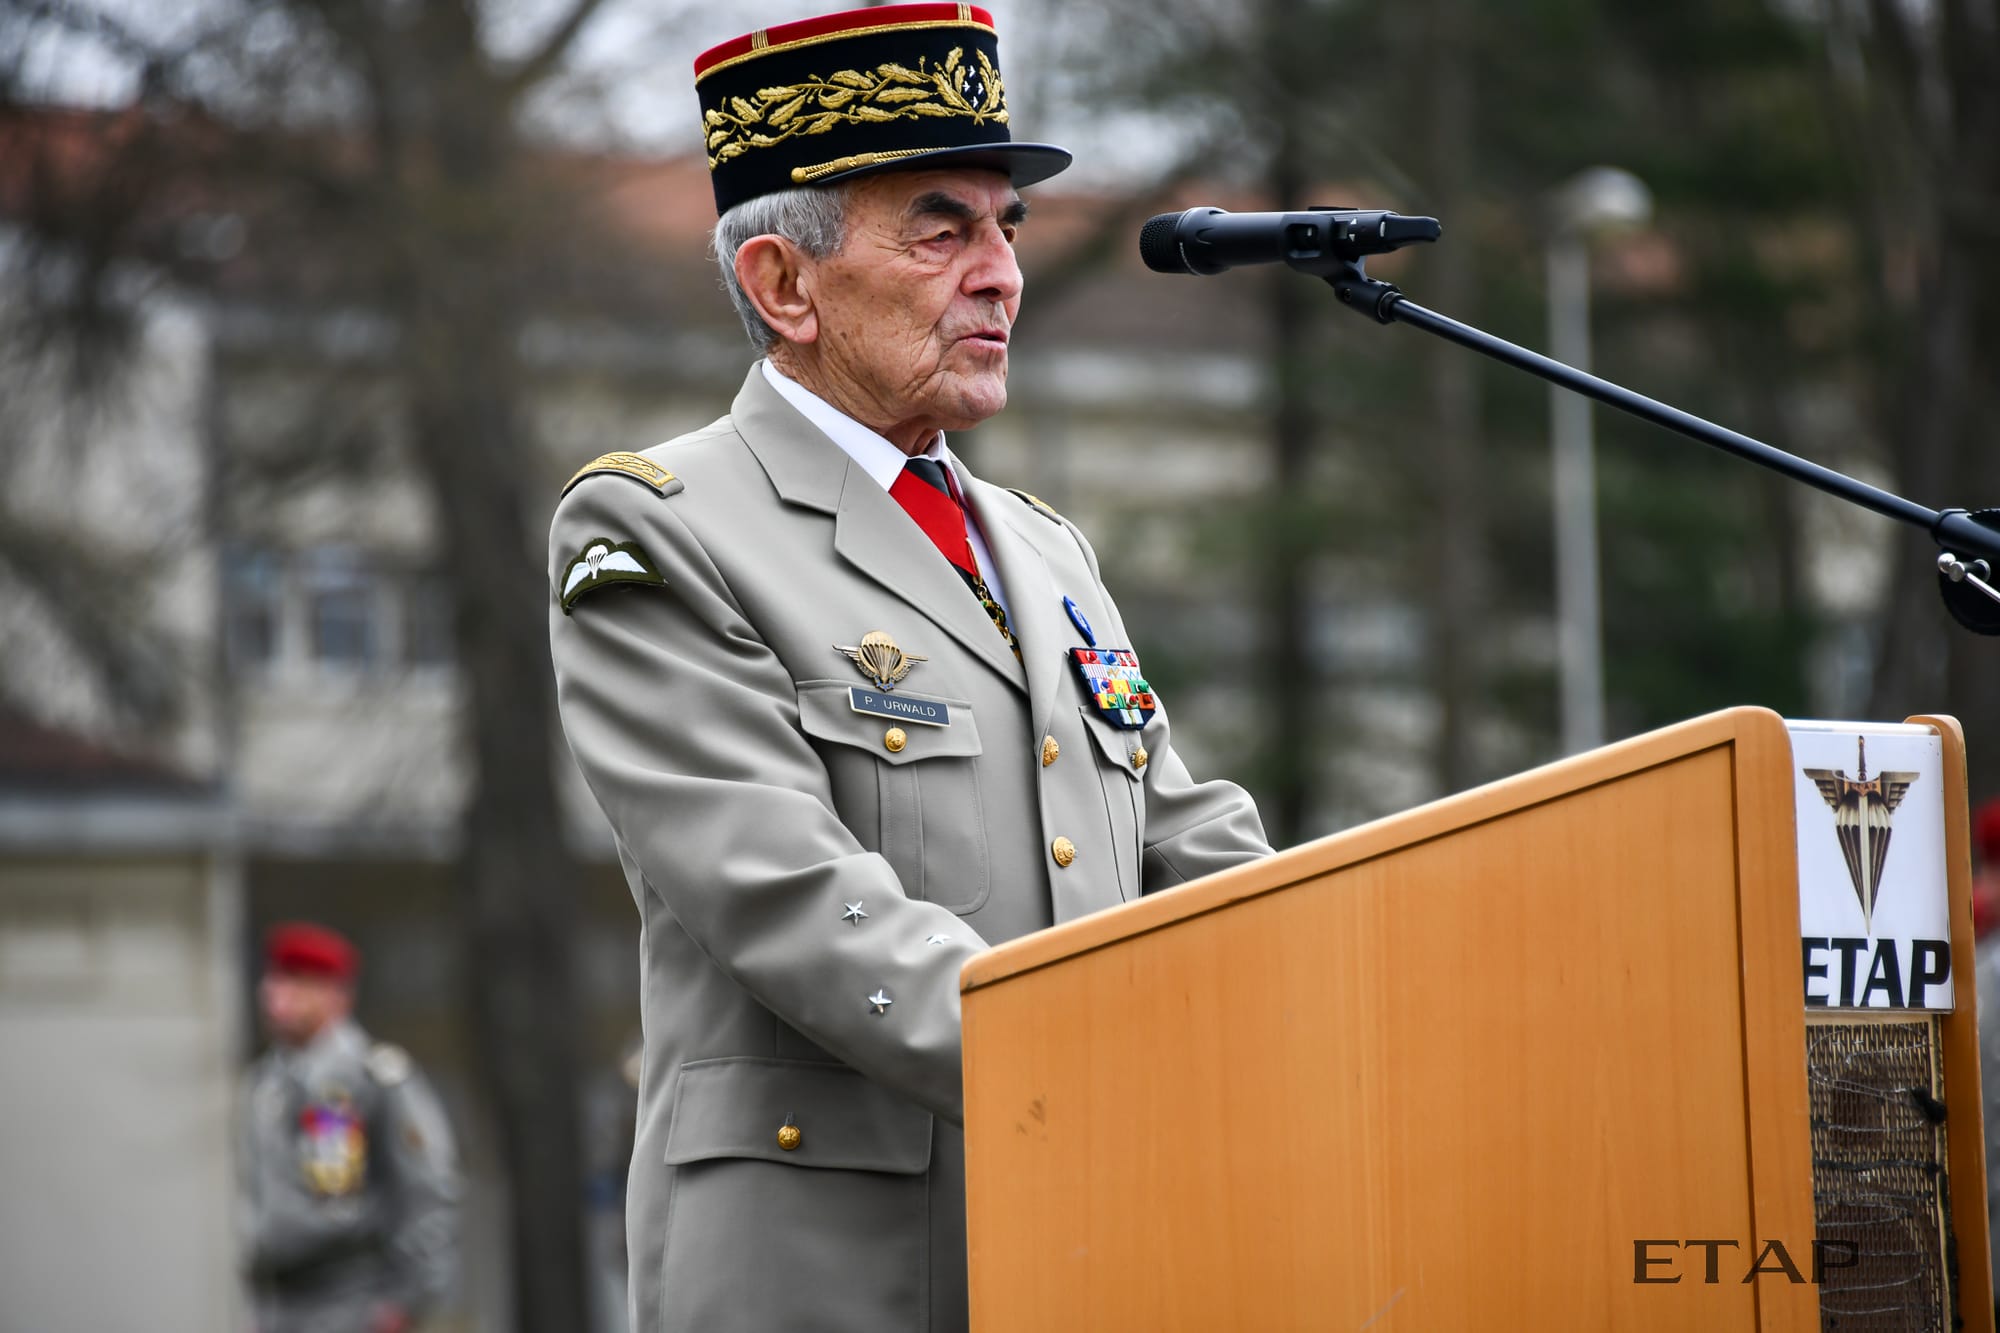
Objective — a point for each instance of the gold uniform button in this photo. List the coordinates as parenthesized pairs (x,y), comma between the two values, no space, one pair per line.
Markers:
(1050,751)
(1139,757)
(1064,851)
(788,1137)
(894,740)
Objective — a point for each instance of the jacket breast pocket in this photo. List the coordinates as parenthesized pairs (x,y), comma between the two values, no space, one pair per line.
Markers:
(1121,765)
(850,1196)
(907,790)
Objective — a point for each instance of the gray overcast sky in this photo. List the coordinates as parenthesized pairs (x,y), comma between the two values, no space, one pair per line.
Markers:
(641,53)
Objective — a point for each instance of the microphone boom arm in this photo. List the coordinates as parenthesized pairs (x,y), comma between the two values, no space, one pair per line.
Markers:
(1971,542)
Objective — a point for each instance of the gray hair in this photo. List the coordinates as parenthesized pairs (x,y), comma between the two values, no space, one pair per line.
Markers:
(812,217)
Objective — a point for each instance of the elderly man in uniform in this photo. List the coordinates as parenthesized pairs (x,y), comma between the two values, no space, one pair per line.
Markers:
(853,713)
(348,1182)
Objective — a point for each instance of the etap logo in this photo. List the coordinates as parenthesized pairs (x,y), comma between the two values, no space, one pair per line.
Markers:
(1862,810)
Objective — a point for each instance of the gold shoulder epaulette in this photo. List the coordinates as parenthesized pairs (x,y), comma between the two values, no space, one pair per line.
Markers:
(633,466)
(1036,504)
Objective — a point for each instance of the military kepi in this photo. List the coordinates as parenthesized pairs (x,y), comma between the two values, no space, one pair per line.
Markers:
(893,87)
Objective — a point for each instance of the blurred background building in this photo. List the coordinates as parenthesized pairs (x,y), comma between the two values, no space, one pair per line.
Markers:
(307,310)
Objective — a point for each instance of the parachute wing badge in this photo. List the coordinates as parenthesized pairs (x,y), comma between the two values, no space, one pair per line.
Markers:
(880,659)
(604,562)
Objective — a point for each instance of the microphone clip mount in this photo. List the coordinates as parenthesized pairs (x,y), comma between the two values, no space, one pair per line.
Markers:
(1327,240)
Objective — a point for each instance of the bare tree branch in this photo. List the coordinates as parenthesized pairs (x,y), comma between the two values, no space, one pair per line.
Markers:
(531,69)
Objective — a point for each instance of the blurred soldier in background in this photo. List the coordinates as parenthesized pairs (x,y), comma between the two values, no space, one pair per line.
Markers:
(348,1180)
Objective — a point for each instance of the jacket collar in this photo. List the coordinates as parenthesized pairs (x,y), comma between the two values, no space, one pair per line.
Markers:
(871,531)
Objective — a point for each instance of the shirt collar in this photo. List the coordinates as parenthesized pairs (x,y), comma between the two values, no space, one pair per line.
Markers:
(342,1037)
(877,457)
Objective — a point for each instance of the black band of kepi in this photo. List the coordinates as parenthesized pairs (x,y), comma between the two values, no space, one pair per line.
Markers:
(893,87)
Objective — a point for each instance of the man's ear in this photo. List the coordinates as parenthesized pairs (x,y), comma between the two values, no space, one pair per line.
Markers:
(774,276)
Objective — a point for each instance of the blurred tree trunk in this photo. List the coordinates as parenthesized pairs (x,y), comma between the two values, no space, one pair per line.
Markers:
(460,318)
(1453,561)
(1289,543)
(1932,108)
(461,321)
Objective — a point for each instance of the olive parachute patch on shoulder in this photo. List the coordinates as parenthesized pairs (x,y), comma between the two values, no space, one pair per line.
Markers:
(635,466)
(1036,504)
(604,562)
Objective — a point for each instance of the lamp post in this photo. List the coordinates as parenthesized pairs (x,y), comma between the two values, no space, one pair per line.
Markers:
(1589,204)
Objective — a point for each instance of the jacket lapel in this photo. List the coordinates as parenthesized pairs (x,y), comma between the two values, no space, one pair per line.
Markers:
(871,531)
(1034,606)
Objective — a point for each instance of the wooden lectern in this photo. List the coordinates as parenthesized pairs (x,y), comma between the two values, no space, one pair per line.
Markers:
(1457,1069)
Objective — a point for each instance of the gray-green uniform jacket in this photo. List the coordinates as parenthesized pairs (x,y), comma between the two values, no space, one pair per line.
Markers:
(808,884)
(348,1185)
(1986,976)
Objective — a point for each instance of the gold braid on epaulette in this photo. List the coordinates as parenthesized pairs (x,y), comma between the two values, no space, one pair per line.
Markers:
(635,466)
(1037,504)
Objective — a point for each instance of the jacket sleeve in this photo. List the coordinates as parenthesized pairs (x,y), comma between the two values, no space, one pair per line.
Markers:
(422,1233)
(1193,827)
(685,725)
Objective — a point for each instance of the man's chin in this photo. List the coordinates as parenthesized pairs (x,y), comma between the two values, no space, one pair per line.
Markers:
(974,399)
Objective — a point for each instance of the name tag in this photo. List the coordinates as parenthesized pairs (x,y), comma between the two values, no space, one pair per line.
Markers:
(902,707)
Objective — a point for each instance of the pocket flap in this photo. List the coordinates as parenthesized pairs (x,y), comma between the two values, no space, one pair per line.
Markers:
(826,711)
(735,1106)
(1120,746)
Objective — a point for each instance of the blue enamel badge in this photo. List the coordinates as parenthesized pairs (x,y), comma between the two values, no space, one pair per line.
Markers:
(1115,684)
(1076,618)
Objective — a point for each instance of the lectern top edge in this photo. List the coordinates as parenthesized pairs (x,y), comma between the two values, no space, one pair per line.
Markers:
(1379,837)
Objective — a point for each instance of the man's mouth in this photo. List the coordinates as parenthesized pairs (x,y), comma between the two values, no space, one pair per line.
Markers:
(986,338)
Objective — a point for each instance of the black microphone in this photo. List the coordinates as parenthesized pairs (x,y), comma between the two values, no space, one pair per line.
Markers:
(1323,241)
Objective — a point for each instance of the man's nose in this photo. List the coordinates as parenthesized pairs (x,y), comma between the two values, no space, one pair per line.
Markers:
(993,274)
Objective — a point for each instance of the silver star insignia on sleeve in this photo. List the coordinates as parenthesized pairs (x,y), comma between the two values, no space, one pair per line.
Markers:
(854,912)
(938,939)
(880,1001)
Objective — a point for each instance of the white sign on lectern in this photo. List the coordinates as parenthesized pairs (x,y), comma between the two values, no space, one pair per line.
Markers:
(1874,909)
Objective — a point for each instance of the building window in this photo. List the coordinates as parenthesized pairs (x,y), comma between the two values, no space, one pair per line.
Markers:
(335,607)
(341,600)
(253,600)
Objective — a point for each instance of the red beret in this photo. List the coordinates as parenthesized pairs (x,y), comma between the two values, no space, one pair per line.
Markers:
(300,946)
(1986,830)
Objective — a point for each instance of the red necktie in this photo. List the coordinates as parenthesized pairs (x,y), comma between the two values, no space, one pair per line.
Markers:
(925,491)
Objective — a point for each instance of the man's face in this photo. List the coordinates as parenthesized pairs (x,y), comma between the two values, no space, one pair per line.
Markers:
(915,311)
(297,1006)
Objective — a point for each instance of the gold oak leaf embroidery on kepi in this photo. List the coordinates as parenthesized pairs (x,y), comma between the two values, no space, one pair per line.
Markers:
(890,92)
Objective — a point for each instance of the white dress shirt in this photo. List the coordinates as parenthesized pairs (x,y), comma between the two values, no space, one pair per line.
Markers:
(883,461)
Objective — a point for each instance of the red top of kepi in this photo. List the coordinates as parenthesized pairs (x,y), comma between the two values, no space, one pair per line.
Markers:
(304,949)
(879,18)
